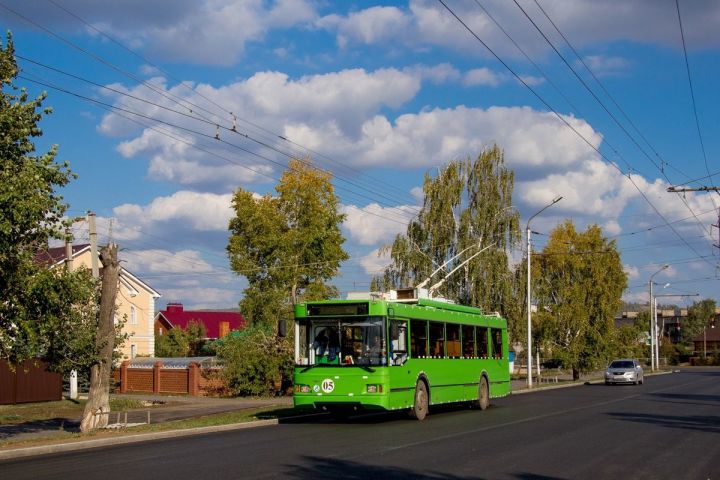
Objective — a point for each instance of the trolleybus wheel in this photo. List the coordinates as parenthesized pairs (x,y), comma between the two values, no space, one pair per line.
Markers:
(420,407)
(483,401)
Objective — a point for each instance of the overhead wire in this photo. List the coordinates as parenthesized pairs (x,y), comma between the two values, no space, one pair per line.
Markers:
(597,99)
(563,120)
(234,116)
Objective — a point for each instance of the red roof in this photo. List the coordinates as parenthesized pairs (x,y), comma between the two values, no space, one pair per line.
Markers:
(51,256)
(178,317)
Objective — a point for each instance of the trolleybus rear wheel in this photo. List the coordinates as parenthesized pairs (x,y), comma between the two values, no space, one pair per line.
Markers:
(420,407)
(483,394)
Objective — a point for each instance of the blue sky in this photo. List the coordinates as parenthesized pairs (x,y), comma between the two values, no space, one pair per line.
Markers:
(379,93)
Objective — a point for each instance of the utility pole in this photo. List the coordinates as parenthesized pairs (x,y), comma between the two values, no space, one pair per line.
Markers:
(672,189)
(93,244)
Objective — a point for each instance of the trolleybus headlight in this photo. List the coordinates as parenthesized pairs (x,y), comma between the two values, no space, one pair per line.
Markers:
(374,388)
(302,388)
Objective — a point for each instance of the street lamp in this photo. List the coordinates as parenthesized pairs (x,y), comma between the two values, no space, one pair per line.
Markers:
(529,310)
(653,319)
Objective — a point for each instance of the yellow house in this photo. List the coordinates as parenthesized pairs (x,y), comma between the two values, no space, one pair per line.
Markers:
(135,301)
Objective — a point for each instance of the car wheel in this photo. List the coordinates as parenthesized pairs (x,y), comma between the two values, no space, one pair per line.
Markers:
(420,407)
(607,383)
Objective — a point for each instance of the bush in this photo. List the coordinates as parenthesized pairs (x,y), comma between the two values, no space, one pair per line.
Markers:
(256,362)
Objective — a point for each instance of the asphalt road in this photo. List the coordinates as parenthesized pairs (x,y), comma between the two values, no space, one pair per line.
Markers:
(667,428)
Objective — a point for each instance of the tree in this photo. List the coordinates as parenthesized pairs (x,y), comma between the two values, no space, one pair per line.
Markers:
(256,362)
(182,343)
(579,280)
(466,208)
(287,246)
(43,313)
(97,407)
(700,316)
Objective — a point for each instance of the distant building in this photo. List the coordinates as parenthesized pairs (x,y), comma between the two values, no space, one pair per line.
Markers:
(135,300)
(218,323)
(669,321)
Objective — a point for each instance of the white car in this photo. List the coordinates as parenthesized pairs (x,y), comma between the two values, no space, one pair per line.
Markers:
(624,370)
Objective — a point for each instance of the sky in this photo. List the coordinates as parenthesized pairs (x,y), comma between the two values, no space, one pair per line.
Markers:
(164,108)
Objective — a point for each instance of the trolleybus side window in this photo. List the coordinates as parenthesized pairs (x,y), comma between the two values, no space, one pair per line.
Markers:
(418,338)
(468,341)
(496,335)
(452,331)
(437,339)
(398,342)
(482,341)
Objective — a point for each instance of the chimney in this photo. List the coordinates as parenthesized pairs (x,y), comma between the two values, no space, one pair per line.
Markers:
(175,307)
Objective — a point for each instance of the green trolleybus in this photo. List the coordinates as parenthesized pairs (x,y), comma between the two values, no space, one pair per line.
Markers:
(378,354)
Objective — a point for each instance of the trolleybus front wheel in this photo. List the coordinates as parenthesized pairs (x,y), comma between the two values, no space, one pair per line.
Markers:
(420,407)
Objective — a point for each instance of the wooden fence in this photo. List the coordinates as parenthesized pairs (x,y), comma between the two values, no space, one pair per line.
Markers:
(29,382)
(158,379)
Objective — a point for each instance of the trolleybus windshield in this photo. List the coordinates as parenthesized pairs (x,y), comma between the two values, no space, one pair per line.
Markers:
(342,341)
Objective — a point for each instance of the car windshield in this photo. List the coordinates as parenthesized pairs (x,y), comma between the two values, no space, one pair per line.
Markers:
(342,342)
(621,364)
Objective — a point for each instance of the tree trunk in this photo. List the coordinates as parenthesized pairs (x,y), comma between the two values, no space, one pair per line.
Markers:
(97,409)
(576,374)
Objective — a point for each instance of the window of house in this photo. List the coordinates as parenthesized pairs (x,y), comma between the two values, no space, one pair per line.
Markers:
(133,315)
(482,341)
(418,338)
(133,351)
(468,341)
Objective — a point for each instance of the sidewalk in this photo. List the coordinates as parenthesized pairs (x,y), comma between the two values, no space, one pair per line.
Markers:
(174,408)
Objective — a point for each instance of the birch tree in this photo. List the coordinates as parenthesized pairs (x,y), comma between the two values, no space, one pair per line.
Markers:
(467,209)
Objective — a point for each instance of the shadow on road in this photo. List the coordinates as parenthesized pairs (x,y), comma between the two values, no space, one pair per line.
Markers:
(689,398)
(331,468)
(366,417)
(700,423)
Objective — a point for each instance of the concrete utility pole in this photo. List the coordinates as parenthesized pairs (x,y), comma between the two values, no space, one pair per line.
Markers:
(653,320)
(672,189)
(93,244)
(529,308)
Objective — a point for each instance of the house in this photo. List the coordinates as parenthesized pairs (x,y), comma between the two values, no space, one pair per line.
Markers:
(217,323)
(708,341)
(135,300)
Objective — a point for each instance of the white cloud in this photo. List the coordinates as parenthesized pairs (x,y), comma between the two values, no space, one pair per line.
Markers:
(602,65)
(197,211)
(165,261)
(632,272)
(175,160)
(374,264)
(584,22)
(375,224)
(482,76)
(437,74)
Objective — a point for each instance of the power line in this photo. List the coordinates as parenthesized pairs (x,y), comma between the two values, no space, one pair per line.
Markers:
(597,99)
(692,91)
(544,102)
(180,101)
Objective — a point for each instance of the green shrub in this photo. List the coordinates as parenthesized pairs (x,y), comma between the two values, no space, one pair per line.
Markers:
(256,362)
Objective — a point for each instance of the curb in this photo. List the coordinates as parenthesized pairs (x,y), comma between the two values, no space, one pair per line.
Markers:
(126,439)
(577,384)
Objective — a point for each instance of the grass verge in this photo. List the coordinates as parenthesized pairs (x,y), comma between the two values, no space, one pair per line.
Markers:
(228,418)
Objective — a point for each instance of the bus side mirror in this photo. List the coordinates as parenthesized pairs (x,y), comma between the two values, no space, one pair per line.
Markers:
(281,328)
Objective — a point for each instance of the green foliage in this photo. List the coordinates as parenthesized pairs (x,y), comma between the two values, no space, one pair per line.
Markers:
(467,207)
(287,246)
(578,282)
(256,362)
(188,342)
(701,315)
(42,312)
